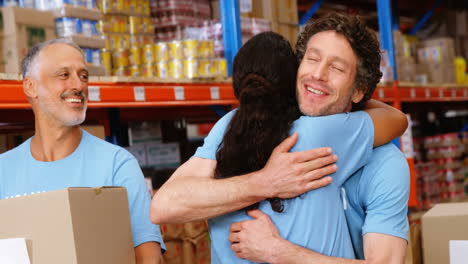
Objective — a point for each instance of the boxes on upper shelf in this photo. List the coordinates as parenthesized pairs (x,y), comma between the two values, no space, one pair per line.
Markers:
(22,29)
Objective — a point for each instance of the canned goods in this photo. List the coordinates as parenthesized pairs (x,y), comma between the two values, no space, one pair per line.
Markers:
(162,70)
(191,48)
(176,50)
(147,25)
(148,70)
(88,54)
(120,58)
(221,65)
(135,24)
(121,71)
(191,68)
(133,4)
(135,56)
(106,60)
(87,28)
(135,71)
(176,69)
(96,57)
(148,39)
(105,6)
(118,5)
(161,51)
(90,4)
(67,26)
(120,41)
(94,31)
(205,68)
(206,48)
(78,25)
(148,54)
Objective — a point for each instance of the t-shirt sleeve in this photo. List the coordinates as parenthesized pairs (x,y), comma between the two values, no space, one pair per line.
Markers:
(214,138)
(127,173)
(386,198)
(350,135)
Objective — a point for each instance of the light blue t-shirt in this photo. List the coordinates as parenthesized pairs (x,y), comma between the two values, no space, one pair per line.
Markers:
(316,219)
(94,163)
(377,197)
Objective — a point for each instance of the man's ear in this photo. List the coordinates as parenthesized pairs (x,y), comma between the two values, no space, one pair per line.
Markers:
(30,87)
(357,96)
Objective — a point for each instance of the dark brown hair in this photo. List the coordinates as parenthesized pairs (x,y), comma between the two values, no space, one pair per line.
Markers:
(363,42)
(264,79)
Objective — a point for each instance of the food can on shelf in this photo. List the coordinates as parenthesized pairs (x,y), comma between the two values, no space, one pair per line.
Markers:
(121,71)
(147,25)
(106,60)
(161,51)
(87,28)
(221,65)
(148,54)
(191,68)
(135,24)
(88,54)
(120,58)
(148,70)
(135,56)
(175,69)
(206,68)
(135,70)
(96,57)
(176,50)
(105,6)
(162,70)
(191,48)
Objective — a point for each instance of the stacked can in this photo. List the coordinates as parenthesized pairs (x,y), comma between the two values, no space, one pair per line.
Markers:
(129,33)
(188,59)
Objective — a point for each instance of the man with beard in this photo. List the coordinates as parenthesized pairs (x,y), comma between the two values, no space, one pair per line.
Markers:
(61,154)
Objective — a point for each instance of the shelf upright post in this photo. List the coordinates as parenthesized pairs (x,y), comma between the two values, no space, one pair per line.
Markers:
(384,11)
(232,37)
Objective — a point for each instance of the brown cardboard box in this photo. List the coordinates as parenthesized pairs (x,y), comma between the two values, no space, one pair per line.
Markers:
(289,31)
(88,42)
(194,229)
(436,50)
(172,231)
(444,222)
(97,131)
(24,27)
(73,226)
(406,69)
(283,11)
(215,13)
(437,73)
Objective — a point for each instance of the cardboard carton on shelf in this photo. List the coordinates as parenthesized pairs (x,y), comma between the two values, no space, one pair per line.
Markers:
(22,29)
(437,73)
(74,225)
(282,11)
(440,50)
(441,225)
(88,42)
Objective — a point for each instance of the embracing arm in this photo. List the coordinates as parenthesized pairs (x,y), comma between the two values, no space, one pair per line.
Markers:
(258,240)
(148,253)
(389,122)
(192,193)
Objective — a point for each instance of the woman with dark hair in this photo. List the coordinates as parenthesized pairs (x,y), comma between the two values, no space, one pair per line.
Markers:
(264,79)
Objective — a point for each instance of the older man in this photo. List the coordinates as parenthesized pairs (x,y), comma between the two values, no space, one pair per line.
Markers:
(61,154)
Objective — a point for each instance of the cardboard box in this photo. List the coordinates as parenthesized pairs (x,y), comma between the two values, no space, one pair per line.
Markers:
(406,69)
(437,73)
(283,11)
(289,31)
(97,131)
(23,28)
(440,225)
(173,253)
(73,226)
(436,50)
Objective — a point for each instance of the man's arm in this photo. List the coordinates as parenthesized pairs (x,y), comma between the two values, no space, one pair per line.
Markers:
(148,253)
(258,240)
(192,193)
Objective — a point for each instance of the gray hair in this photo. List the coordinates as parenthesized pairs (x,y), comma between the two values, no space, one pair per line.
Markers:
(36,50)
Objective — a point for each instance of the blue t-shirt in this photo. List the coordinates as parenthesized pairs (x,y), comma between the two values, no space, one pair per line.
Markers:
(377,197)
(316,219)
(94,163)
